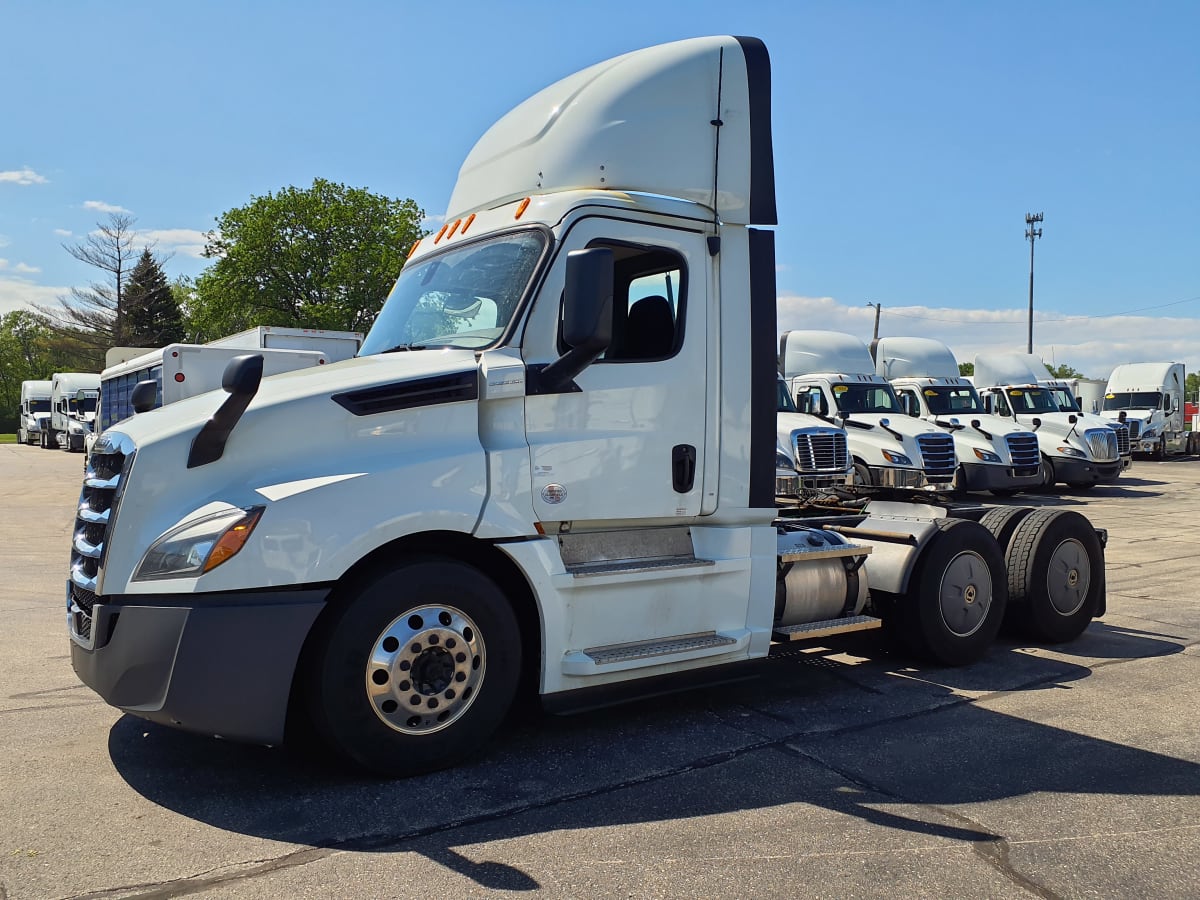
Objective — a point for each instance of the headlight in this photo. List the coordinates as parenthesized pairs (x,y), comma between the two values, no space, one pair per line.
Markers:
(197,547)
(783,461)
(896,459)
(1071,451)
(987,456)
(75,427)
(1148,434)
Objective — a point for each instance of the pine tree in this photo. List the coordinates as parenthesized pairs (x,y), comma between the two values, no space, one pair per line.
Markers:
(152,316)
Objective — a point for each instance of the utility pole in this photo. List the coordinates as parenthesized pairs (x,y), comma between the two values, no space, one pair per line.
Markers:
(1031,235)
(875,336)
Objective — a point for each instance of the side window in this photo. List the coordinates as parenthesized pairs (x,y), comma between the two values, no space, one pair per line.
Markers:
(812,401)
(1001,404)
(909,402)
(649,303)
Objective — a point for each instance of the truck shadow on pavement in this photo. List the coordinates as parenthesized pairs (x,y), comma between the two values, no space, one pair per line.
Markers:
(864,739)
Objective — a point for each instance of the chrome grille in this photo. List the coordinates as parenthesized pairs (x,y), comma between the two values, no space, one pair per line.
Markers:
(97,501)
(1122,437)
(937,456)
(1102,442)
(820,450)
(1024,453)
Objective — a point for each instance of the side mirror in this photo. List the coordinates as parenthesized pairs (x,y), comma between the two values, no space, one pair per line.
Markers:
(241,379)
(144,396)
(1072,418)
(587,317)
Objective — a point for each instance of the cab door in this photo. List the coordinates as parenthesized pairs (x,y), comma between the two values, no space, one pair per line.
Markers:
(629,439)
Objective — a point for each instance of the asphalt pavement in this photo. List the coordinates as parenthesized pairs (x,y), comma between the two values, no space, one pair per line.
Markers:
(837,771)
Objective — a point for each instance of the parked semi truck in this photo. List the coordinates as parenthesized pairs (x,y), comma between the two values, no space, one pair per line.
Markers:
(994,454)
(813,454)
(550,465)
(73,398)
(1078,449)
(34,415)
(832,374)
(1148,398)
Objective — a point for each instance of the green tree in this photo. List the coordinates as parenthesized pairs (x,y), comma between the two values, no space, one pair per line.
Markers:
(1192,387)
(965,369)
(1063,371)
(321,257)
(152,316)
(26,354)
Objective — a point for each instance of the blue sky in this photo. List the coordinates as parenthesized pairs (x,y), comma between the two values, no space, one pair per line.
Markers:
(910,141)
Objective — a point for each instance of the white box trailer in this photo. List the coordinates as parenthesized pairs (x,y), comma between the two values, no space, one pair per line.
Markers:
(73,398)
(571,488)
(336,345)
(1148,398)
(34,415)
(184,370)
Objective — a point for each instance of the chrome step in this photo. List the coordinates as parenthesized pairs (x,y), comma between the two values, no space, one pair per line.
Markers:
(619,653)
(629,566)
(824,628)
(826,552)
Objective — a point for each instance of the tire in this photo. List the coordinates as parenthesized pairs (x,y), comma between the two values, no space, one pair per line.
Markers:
(1161,452)
(955,601)
(21,436)
(1055,575)
(1003,521)
(862,475)
(1048,479)
(363,698)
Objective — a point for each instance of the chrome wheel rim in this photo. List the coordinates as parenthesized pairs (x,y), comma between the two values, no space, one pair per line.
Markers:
(965,594)
(425,669)
(1068,577)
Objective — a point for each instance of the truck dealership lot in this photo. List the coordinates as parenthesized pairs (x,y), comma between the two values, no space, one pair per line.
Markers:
(1072,771)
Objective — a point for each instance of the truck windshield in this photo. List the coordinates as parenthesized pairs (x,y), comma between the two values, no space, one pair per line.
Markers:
(1064,400)
(952,401)
(86,405)
(865,398)
(1031,400)
(1133,400)
(784,402)
(465,298)
(37,406)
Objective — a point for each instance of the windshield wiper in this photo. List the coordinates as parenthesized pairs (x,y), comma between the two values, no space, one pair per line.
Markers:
(400,347)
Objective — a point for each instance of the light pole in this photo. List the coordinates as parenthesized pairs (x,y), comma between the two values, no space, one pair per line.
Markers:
(877,308)
(1031,234)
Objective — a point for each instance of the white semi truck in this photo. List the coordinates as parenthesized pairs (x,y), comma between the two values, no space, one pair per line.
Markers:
(543,469)
(813,455)
(832,374)
(1078,449)
(994,454)
(34,416)
(1148,398)
(73,398)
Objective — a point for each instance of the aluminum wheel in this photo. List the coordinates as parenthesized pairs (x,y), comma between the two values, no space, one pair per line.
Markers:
(1068,577)
(965,595)
(425,669)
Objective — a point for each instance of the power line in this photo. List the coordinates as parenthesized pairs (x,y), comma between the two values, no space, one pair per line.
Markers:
(1039,320)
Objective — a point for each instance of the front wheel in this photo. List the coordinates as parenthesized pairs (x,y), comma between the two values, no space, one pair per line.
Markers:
(416,668)
(862,475)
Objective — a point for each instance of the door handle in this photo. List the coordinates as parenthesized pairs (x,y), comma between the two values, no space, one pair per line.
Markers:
(683,467)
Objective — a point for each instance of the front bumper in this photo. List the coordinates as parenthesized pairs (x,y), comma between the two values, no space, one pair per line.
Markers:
(216,664)
(896,477)
(1082,471)
(995,477)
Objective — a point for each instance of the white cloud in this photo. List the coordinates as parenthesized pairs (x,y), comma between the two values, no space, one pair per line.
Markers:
(20,293)
(5,240)
(101,206)
(432,221)
(187,241)
(24,269)
(25,176)
(1090,345)
(63,232)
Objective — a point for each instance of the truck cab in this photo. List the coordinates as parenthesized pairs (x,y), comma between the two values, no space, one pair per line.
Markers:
(994,454)
(1077,449)
(1066,394)
(34,414)
(832,374)
(72,410)
(549,466)
(813,455)
(1148,399)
